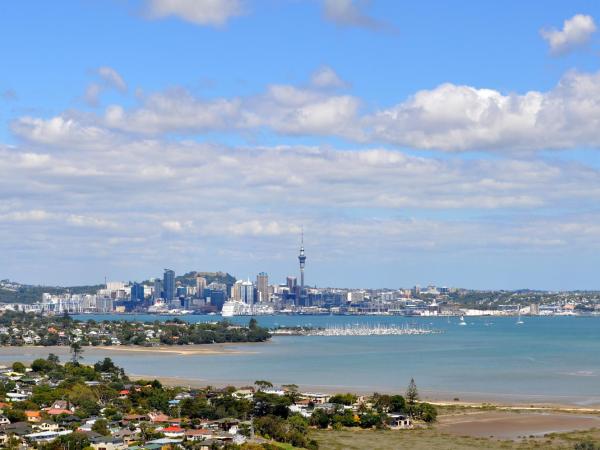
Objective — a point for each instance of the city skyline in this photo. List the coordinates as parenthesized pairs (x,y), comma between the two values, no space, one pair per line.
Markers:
(411,150)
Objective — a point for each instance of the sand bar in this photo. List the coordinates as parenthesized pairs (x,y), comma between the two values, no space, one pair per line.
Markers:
(512,425)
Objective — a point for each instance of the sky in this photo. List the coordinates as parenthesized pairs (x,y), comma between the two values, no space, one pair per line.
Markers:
(454,143)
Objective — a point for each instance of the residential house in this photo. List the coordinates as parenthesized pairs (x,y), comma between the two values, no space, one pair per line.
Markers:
(33,416)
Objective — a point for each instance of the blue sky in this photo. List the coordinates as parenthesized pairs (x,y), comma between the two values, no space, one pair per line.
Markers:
(417,142)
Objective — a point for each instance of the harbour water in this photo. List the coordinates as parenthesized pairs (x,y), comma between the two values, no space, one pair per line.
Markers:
(546,359)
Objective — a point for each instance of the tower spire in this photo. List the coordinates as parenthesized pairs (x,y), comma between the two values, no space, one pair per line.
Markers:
(302,261)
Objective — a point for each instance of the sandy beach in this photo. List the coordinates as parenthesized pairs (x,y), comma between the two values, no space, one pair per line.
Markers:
(184,350)
(513,425)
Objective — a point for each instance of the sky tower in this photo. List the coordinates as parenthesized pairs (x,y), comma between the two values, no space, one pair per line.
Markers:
(302,260)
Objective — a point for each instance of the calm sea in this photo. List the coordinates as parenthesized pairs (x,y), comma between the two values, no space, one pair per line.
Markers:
(552,359)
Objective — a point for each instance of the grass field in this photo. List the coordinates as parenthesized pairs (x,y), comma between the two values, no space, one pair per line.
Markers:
(432,439)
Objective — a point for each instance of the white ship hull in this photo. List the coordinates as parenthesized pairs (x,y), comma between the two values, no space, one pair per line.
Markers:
(235,308)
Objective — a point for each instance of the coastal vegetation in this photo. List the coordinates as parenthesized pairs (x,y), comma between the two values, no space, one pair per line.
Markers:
(18,328)
(89,404)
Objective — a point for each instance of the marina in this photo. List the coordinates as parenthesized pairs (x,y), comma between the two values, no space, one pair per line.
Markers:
(356,330)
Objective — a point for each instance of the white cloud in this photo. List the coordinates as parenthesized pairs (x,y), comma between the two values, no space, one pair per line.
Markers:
(325,77)
(349,13)
(112,78)
(201,12)
(576,32)
(92,94)
(175,110)
(34,215)
(109,78)
(449,117)
(290,110)
(458,118)
(61,130)
(89,221)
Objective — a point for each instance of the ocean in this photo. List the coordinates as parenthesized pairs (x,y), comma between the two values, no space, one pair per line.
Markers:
(546,359)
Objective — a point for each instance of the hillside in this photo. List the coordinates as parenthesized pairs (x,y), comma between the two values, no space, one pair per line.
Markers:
(22,293)
(189,279)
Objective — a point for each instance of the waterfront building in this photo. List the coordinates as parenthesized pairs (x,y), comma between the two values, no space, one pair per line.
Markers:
(200,286)
(291,283)
(158,289)
(104,304)
(262,285)
(247,292)
(137,292)
(236,290)
(169,285)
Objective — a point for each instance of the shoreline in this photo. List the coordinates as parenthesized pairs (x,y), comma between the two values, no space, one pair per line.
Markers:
(183,350)
(489,403)
(442,398)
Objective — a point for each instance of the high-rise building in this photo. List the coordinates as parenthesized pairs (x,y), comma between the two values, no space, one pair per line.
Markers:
(292,283)
(169,285)
(137,292)
(158,289)
(247,292)
(200,286)
(262,285)
(236,290)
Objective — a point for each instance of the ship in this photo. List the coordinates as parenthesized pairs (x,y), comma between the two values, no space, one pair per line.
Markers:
(238,308)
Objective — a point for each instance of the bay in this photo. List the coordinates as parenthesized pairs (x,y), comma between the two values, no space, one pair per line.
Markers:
(547,359)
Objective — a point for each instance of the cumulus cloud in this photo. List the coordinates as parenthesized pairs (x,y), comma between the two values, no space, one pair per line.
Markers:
(576,31)
(200,12)
(112,78)
(449,117)
(109,78)
(350,13)
(326,77)
(174,111)
(62,130)
(457,118)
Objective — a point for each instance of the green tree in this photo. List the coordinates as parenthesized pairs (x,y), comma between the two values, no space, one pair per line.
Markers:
(320,418)
(41,365)
(343,399)
(412,394)
(18,367)
(397,403)
(263,384)
(426,412)
(100,426)
(76,352)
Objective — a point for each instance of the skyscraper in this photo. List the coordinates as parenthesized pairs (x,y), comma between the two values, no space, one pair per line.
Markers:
(291,283)
(200,286)
(158,289)
(137,292)
(247,292)
(262,284)
(169,285)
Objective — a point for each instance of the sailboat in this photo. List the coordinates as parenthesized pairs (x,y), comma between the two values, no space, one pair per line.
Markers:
(519,321)
(462,321)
